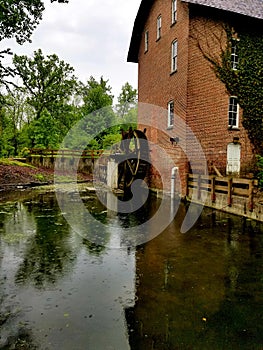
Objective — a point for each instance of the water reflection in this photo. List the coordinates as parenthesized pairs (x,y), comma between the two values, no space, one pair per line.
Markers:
(198,290)
(60,290)
(48,253)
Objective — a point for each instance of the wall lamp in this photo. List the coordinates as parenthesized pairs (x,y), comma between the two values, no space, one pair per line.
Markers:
(235,140)
(174,140)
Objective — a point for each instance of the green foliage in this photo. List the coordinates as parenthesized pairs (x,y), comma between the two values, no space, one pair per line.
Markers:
(246,81)
(18,20)
(44,132)
(47,82)
(111,140)
(93,144)
(96,95)
(5,161)
(25,152)
(127,100)
(41,111)
(97,111)
(40,177)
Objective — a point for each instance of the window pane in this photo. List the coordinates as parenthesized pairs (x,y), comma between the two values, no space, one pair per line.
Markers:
(174,56)
(234,54)
(233,112)
(171,113)
(174,11)
(146,40)
(159,25)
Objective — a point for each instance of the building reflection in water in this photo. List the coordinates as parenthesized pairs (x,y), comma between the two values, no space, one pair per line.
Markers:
(199,290)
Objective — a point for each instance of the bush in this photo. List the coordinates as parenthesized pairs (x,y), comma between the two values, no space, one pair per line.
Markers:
(25,152)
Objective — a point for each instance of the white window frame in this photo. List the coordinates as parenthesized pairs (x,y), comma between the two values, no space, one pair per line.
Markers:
(146,41)
(174,54)
(234,54)
(159,27)
(170,114)
(233,112)
(174,11)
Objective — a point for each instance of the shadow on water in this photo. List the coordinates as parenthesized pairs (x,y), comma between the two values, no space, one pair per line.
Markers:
(199,290)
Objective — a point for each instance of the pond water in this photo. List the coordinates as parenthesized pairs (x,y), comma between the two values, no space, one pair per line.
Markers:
(59,290)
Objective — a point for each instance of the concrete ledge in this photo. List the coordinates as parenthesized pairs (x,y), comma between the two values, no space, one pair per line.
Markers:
(240,205)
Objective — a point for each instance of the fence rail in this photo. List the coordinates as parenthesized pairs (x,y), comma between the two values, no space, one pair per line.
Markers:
(52,153)
(229,186)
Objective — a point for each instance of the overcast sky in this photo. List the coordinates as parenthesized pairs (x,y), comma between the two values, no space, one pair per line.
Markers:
(93,36)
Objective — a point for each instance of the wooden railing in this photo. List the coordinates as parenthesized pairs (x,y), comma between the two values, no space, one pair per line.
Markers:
(229,186)
(52,153)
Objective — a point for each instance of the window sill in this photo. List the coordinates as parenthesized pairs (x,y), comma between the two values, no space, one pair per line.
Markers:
(173,24)
(158,39)
(173,72)
(170,127)
(233,128)
(145,51)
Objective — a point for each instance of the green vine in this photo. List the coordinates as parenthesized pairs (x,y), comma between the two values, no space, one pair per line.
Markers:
(246,82)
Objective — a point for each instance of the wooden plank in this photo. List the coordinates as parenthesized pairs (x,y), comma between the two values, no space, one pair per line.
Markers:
(229,191)
(242,181)
(221,188)
(213,189)
(222,179)
(199,187)
(187,184)
(250,196)
(240,192)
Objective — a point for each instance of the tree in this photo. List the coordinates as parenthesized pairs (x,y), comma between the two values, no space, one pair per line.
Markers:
(96,95)
(14,109)
(97,109)
(127,100)
(18,19)
(48,82)
(44,131)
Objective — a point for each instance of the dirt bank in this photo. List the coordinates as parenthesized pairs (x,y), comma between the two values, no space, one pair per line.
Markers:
(15,175)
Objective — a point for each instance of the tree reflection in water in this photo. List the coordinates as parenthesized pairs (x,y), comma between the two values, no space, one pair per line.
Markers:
(49,252)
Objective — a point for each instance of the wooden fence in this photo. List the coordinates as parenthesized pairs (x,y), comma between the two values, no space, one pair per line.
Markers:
(229,186)
(66,153)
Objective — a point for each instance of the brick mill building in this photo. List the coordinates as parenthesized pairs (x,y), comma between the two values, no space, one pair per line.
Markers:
(168,42)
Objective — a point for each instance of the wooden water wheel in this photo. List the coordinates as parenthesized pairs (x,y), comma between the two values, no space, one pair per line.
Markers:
(134,159)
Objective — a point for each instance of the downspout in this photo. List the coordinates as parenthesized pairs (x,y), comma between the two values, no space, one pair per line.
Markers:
(173,177)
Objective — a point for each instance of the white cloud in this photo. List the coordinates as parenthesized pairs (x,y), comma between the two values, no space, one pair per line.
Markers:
(92,36)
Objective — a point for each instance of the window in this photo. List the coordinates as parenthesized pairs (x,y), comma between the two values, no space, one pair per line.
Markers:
(174,56)
(174,11)
(159,27)
(170,114)
(234,54)
(146,41)
(233,112)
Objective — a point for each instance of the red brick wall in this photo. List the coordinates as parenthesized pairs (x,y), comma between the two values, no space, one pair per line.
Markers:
(200,99)
(157,86)
(207,112)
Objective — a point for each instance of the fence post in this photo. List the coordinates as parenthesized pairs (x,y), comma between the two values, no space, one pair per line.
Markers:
(250,195)
(213,189)
(229,191)
(187,187)
(199,187)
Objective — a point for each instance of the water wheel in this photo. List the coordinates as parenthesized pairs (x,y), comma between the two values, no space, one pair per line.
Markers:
(133,161)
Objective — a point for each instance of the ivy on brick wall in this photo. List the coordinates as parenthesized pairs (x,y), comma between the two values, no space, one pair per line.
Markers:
(245,82)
